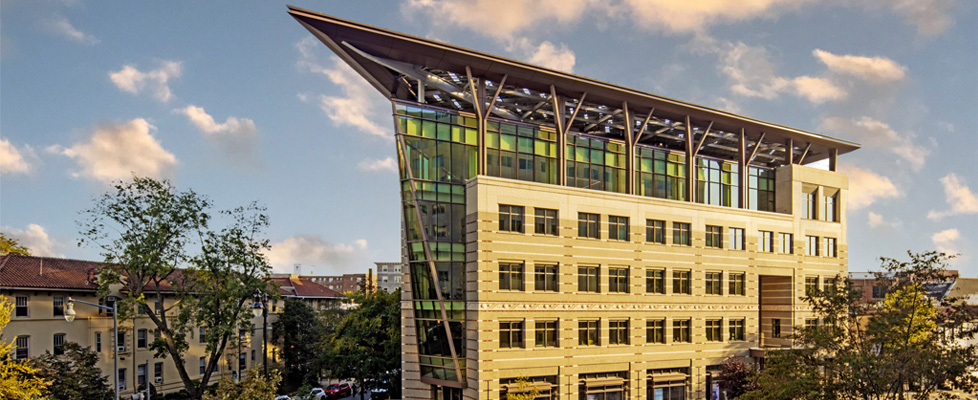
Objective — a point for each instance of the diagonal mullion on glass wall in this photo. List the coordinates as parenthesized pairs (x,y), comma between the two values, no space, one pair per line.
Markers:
(402,155)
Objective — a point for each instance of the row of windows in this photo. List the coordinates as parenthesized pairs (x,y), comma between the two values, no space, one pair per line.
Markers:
(22,306)
(512,219)
(829,210)
(546,333)
(545,278)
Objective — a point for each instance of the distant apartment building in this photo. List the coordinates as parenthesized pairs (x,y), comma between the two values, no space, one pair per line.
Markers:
(874,290)
(345,283)
(388,276)
(39,287)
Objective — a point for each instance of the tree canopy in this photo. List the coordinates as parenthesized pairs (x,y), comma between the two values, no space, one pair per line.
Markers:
(158,245)
(909,344)
(74,374)
(299,331)
(367,343)
(9,245)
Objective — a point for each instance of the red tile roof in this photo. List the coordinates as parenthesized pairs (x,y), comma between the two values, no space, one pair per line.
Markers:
(47,273)
(302,287)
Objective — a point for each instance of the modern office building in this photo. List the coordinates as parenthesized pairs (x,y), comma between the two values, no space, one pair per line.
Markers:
(599,241)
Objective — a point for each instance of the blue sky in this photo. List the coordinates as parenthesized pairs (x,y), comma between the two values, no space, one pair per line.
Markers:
(237,101)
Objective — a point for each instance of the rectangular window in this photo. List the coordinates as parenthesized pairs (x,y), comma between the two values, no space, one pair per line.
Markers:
(202,337)
(736,329)
(830,208)
(545,222)
(617,228)
(140,375)
(510,218)
(618,280)
(158,305)
(765,241)
(120,341)
(122,378)
(680,282)
(811,245)
(828,283)
(655,281)
(588,331)
(158,371)
(810,205)
(618,331)
(785,243)
(830,249)
(736,284)
(712,282)
(545,278)
(713,327)
(510,276)
(587,279)
(879,292)
(546,334)
(203,365)
(510,334)
(588,225)
(98,342)
(23,347)
(811,323)
(776,327)
(655,330)
(736,238)
(680,233)
(21,310)
(655,231)
(681,330)
(714,236)
(59,306)
(242,361)
(811,285)
(141,339)
(59,343)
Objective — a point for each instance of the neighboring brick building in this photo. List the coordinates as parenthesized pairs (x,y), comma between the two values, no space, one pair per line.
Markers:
(344,283)
(40,286)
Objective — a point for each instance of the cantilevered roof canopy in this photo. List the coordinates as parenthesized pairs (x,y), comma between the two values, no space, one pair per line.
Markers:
(411,68)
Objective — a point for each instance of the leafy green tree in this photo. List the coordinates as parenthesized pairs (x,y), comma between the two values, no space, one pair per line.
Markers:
(527,391)
(9,245)
(74,374)
(906,345)
(367,343)
(19,380)
(299,331)
(254,386)
(157,241)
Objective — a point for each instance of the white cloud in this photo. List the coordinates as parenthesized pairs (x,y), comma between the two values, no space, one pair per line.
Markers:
(959,196)
(119,151)
(930,17)
(386,164)
(35,239)
(313,252)
(866,187)
(818,90)
(878,133)
(873,69)
(237,137)
(129,79)
(500,21)
(550,56)
(11,159)
(697,16)
(61,26)
(877,221)
(946,240)
(751,71)
(360,105)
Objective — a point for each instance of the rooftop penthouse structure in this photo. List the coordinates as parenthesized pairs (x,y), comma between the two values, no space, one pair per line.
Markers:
(599,241)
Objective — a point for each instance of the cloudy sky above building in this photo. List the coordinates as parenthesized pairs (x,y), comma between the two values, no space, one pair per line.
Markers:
(237,101)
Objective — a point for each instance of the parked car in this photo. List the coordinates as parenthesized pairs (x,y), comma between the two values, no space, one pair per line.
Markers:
(337,390)
(283,398)
(317,393)
(379,394)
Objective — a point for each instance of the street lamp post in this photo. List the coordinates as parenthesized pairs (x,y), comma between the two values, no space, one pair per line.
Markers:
(260,306)
(70,316)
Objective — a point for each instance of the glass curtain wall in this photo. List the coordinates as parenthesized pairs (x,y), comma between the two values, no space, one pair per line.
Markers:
(717,182)
(660,173)
(595,164)
(441,151)
(521,152)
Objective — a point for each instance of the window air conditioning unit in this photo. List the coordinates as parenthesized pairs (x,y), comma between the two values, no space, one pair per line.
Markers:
(158,379)
(121,349)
